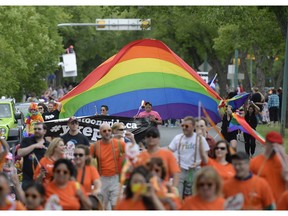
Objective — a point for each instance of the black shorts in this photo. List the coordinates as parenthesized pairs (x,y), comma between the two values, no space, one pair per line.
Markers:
(273,114)
(231,136)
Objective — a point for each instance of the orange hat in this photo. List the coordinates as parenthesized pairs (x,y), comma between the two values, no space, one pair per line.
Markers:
(274,137)
(33,106)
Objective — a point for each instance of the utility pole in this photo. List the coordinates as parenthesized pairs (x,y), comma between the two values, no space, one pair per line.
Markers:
(285,93)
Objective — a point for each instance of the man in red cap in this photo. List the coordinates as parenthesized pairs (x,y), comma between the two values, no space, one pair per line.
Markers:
(272,164)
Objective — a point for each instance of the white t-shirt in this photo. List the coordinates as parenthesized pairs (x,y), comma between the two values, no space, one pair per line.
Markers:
(187,149)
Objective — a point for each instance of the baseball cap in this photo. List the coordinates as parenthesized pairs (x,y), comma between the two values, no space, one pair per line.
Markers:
(72,119)
(240,156)
(274,137)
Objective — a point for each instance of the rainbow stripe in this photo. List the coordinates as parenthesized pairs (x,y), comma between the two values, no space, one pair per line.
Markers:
(142,70)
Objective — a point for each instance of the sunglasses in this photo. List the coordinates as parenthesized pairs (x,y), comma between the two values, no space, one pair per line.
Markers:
(65,172)
(80,155)
(151,135)
(221,148)
(74,122)
(208,184)
(104,131)
(185,126)
(32,109)
(37,129)
(33,196)
(40,108)
(121,129)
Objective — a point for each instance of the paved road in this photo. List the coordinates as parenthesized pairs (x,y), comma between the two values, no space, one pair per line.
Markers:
(168,133)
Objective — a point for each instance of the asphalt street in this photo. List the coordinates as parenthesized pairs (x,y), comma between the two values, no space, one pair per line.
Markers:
(168,133)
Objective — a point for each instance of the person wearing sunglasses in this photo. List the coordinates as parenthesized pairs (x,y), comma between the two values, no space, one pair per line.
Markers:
(186,147)
(42,108)
(139,193)
(52,113)
(71,194)
(108,151)
(34,196)
(152,138)
(207,192)
(32,149)
(87,175)
(104,110)
(73,137)
(221,160)
(33,116)
(6,203)
(44,170)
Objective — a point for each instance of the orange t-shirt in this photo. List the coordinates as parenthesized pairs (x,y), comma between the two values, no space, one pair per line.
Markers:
(9,206)
(282,203)
(130,204)
(91,174)
(225,171)
(197,203)
(106,157)
(48,164)
(67,195)
(271,172)
(168,158)
(256,191)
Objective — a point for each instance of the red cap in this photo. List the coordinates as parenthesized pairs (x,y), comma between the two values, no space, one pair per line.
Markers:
(274,137)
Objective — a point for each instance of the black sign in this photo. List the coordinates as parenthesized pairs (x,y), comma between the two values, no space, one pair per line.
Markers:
(89,126)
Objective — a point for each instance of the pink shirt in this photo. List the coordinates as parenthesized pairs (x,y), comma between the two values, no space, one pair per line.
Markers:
(145,114)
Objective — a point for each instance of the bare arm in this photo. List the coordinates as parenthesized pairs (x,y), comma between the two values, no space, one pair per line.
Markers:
(175,179)
(22,152)
(59,107)
(203,153)
(5,147)
(97,186)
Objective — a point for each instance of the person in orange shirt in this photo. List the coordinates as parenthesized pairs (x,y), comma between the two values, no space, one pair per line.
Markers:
(87,175)
(220,161)
(207,189)
(4,150)
(32,117)
(69,192)
(44,170)
(282,203)
(107,151)
(255,190)
(152,138)
(7,203)
(139,193)
(268,165)
(34,196)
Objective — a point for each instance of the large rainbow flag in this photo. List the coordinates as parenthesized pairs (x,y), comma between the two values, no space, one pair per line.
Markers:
(142,70)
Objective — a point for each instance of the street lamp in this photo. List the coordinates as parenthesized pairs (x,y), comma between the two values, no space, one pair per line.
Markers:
(251,58)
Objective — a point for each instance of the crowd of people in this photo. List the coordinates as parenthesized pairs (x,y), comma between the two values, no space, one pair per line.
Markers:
(114,173)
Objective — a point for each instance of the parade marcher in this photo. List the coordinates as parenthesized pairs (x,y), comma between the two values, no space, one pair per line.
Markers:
(52,113)
(73,137)
(139,193)
(108,151)
(231,137)
(282,203)
(44,170)
(152,138)
(221,160)
(70,193)
(273,106)
(6,203)
(251,119)
(33,117)
(4,150)
(32,149)
(207,192)
(202,125)
(268,164)
(87,175)
(153,116)
(42,109)
(34,196)
(186,146)
(104,110)
(255,190)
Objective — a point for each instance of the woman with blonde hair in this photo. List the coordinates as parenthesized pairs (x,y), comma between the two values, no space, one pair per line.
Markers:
(207,189)
(44,170)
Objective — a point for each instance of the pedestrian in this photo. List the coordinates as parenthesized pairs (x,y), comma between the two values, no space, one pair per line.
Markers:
(207,192)
(73,137)
(251,119)
(258,98)
(151,115)
(33,117)
(52,113)
(282,203)
(35,196)
(108,152)
(139,193)
(70,193)
(42,108)
(273,106)
(268,164)
(32,149)
(186,147)
(255,190)
(221,160)
(44,170)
